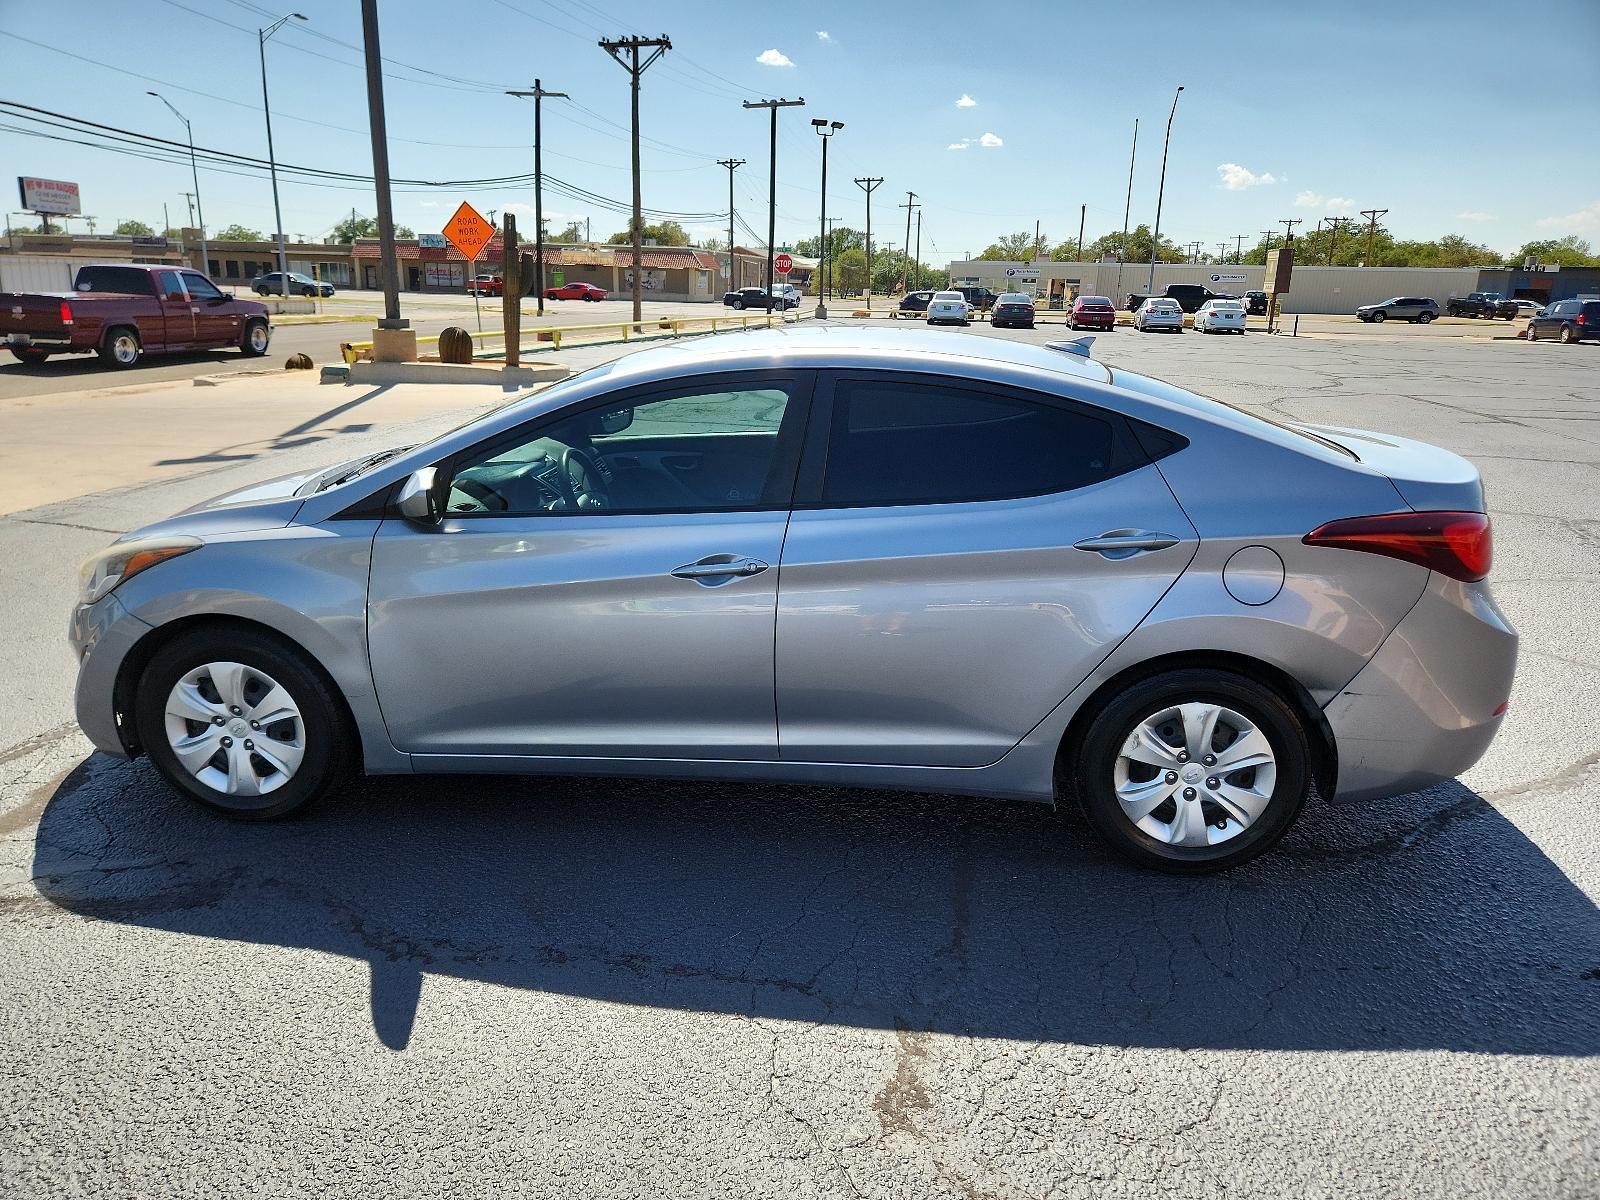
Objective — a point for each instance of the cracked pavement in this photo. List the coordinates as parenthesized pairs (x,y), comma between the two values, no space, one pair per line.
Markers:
(556,987)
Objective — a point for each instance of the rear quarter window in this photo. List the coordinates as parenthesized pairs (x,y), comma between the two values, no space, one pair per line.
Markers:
(129,281)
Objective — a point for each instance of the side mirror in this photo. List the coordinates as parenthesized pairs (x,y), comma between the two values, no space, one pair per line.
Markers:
(616,422)
(418,500)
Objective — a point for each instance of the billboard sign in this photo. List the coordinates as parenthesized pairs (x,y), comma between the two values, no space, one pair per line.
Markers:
(54,196)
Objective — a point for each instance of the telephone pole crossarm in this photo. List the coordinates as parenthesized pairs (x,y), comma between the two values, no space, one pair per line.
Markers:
(772,178)
(869,184)
(537,94)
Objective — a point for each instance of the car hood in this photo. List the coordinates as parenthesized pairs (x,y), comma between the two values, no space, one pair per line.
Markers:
(271,504)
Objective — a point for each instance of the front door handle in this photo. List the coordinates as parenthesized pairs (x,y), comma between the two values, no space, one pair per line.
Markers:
(721,567)
(1125,543)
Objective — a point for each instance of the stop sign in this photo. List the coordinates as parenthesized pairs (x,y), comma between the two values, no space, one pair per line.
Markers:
(783,264)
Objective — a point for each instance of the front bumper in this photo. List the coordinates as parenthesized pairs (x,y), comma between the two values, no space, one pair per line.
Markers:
(101,635)
(1430,701)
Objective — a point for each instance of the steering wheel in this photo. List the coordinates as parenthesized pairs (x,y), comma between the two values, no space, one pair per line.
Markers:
(583,476)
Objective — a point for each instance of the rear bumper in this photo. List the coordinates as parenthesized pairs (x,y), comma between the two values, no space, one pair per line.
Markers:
(1431,700)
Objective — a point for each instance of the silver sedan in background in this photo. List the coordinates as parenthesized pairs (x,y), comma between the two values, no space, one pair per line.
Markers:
(1158,313)
(839,556)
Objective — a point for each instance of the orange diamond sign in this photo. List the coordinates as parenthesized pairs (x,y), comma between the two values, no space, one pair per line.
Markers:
(468,231)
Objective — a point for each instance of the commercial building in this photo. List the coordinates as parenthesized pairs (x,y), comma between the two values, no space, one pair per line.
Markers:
(1313,290)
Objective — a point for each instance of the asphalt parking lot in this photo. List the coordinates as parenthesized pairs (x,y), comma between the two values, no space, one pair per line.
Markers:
(562,988)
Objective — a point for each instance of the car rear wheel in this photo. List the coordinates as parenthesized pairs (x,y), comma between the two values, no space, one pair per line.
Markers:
(120,347)
(1425,318)
(257,337)
(242,723)
(1568,335)
(1193,771)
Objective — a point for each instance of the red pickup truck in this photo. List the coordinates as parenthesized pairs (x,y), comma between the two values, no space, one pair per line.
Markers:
(122,311)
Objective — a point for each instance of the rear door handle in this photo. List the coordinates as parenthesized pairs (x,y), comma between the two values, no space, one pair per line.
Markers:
(720,566)
(1124,543)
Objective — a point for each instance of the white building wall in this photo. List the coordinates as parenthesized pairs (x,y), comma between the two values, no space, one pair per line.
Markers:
(37,272)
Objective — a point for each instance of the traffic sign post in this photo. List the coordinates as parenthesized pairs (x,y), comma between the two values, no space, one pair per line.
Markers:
(469,233)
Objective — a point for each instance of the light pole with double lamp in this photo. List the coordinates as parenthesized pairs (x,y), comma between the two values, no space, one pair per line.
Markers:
(272,162)
(825,130)
(205,252)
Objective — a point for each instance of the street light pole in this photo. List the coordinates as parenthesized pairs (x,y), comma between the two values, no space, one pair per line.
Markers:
(1155,241)
(205,252)
(825,130)
(538,93)
(272,162)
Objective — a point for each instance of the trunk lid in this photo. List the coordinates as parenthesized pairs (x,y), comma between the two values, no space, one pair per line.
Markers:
(1428,478)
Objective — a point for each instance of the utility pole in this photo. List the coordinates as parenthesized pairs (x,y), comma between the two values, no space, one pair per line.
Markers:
(188,198)
(1288,224)
(869,184)
(631,64)
(918,258)
(733,164)
(1127,207)
(1155,238)
(272,162)
(1267,236)
(825,130)
(1238,252)
(832,256)
(1036,248)
(392,320)
(772,177)
(538,93)
(1194,251)
(1372,215)
(1222,252)
(905,255)
(1083,214)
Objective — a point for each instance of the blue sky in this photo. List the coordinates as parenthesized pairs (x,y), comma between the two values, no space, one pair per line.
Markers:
(1432,111)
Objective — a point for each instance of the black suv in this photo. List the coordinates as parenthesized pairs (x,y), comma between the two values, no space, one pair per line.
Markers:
(914,304)
(981,298)
(1566,321)
(1255,302)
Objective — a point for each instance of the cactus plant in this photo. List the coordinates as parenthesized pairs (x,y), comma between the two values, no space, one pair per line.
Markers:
(455,345)
(299,362)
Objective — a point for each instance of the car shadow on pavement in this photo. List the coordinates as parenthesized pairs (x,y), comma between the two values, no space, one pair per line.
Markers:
(1425,922)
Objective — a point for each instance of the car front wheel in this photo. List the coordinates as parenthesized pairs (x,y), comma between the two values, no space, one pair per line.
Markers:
(240,722)
(257,337)
(1193,771)
(1380,316)
(738,304)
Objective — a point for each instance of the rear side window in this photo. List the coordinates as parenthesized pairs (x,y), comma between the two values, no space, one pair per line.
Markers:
(906,442)
(129,281)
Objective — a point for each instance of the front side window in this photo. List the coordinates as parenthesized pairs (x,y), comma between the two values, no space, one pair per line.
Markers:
(910,442)
(701,450)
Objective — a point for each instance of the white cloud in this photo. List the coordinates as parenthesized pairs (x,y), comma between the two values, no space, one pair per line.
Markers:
(824,36)
(989,141)
(966,101)
(427,204)
(774,58)
(1236,178)
(1309,199)
(1476,216)
(961,145)
(1584,218)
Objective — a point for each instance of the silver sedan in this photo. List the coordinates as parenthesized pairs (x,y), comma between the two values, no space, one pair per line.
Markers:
(840,556)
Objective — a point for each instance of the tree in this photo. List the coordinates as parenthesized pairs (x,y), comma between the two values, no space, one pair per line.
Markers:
(667,233)
(239,233)
(355,225)
(1569,251)
(572,233)
(133,229)
(1017,247)
(841,239)
(172,234)
(1105,247)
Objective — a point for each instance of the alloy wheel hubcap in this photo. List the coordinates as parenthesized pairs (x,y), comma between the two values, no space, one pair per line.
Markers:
(235,729)
(258,338)
(125,349)
(1194,774)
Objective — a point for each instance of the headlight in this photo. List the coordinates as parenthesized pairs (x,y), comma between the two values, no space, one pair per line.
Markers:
(116,564)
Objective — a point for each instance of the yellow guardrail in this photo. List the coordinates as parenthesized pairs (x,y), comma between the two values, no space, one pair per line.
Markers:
(650,327)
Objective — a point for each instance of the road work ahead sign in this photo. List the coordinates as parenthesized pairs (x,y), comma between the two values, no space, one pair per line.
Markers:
(468,232)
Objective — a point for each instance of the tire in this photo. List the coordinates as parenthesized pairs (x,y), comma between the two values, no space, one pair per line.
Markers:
(120,347)
(1426,318)
(1568,337)
(1533,334)
(32,355)
(257,337)
(1380,317)
(261,291)
(308,292)
(738,304)
(320,727)
(1099,766)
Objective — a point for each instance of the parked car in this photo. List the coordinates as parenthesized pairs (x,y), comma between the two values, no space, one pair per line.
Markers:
(1526,308)
(1255,303)
(1093,312)
(1220,316)
(577,290)
(123,311)
(981,298)
(1158,313)
(1013,310)
(486,285)
(1253,604)
(1190,296)
(913,304)
(949,308)
(1402,308)
(1481,304)
(271,284)
(1565,321)
(784,296)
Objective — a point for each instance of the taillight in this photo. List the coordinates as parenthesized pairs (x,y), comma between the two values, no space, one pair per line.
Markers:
(1581,318)
(66,312)
(1457,544)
